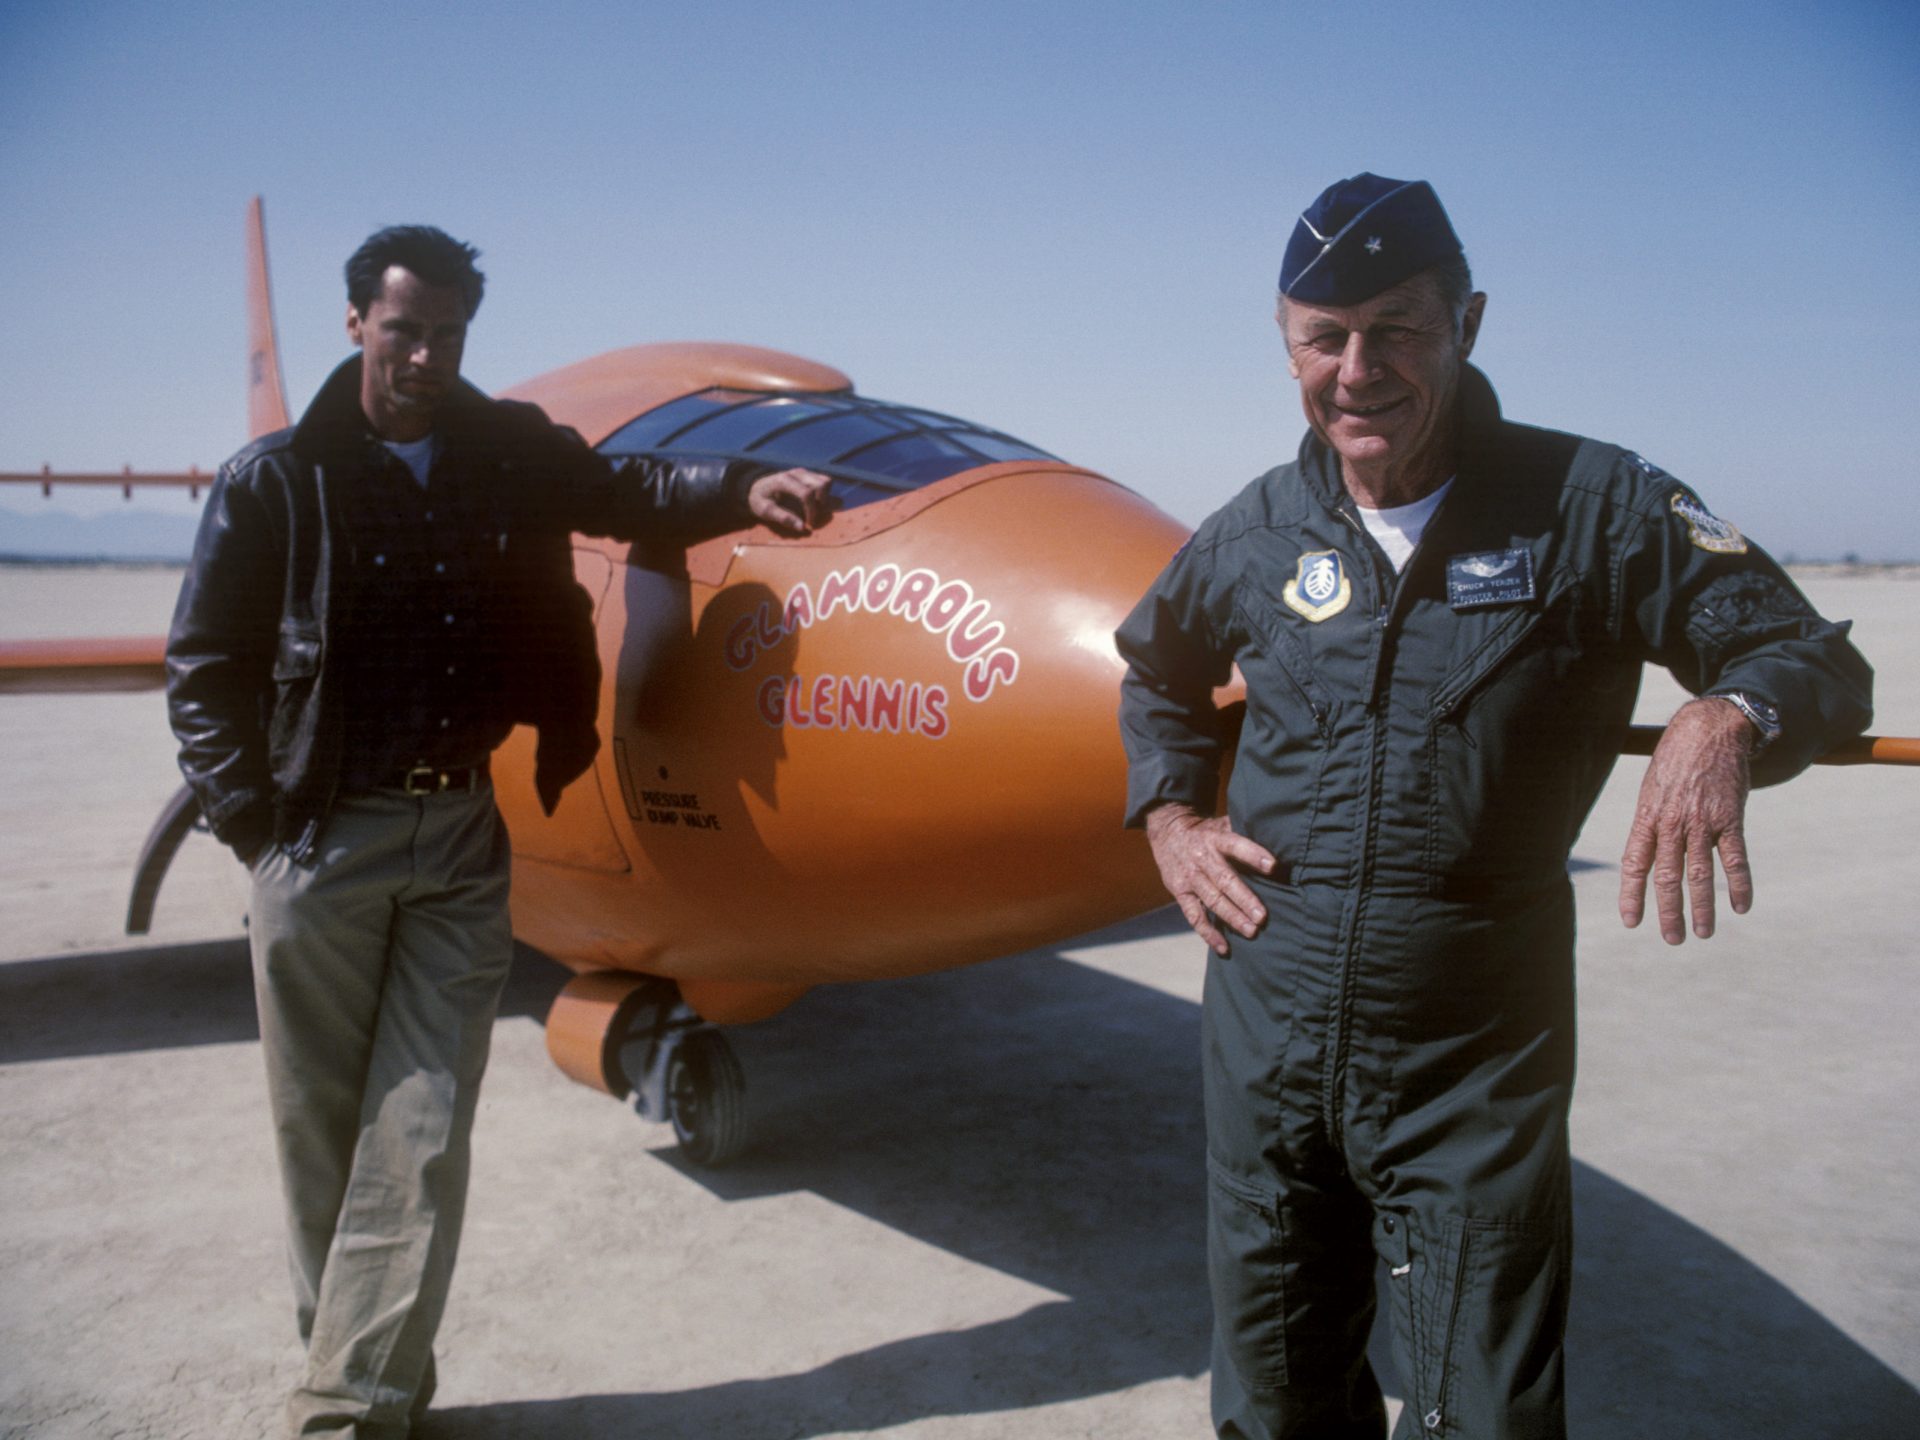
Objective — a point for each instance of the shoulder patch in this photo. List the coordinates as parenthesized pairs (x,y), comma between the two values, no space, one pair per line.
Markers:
(1705,529)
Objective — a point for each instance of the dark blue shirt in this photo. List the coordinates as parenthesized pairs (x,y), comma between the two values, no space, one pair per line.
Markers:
(424,646)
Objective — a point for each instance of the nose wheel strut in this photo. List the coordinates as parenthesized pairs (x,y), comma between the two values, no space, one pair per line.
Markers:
(625,1034)
(684,1071)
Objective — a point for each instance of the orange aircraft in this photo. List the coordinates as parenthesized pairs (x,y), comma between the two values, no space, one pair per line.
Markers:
(884,748)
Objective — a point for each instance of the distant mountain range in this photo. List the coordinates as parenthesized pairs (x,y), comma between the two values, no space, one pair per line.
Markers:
(130,535)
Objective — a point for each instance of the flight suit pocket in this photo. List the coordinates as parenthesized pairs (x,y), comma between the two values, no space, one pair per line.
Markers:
(1245,1244)
(1271,650)
(1505,732)
(1479,1309)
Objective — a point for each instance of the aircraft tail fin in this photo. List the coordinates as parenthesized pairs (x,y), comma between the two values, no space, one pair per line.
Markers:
(266,392)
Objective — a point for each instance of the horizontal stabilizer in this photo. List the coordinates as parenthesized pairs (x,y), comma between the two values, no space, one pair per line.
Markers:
(190,479)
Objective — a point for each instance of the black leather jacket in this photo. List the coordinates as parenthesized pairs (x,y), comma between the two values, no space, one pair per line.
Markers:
(250,691)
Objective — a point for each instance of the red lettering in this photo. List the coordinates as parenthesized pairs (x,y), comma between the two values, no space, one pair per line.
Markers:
(948,603)
(984,673)
(971,634)
(880,585)
(933,718)
(841,589)
(913,592)
(740,646)
(886,704)
(799,612)
(772,699)
(853,702)
(863,702)
(770,632)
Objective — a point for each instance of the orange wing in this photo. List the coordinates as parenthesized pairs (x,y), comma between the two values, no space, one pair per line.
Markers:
(39,667)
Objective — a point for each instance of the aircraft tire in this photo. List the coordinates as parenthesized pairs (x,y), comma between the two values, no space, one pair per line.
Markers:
(706,1099)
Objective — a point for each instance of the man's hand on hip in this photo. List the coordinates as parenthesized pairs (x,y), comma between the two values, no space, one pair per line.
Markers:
(1200,862)
(794,502)
(1692,802)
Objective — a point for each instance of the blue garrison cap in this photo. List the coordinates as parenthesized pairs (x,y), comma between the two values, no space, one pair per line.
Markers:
(1363,236)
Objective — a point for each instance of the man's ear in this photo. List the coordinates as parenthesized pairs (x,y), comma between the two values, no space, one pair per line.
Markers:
(355,330)
(1280,319)
(1470,322)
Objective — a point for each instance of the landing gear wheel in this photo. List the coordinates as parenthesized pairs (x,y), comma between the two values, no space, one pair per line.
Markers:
(706,1099)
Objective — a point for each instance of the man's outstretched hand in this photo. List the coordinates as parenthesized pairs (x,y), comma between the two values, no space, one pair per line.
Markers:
(1693,801)
(794,502)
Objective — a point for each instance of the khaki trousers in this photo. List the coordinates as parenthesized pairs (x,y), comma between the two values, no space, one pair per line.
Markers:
(378,968)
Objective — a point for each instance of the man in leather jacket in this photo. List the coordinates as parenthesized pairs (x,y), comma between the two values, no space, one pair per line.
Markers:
(1441,618)
(376,597)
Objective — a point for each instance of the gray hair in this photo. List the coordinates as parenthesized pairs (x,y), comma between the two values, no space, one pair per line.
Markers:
(1455,282)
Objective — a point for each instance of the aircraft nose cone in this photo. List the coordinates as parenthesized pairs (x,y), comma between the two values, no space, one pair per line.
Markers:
(887,748)
(983,814)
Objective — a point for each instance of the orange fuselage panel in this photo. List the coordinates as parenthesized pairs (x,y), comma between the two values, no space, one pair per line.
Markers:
(887,749)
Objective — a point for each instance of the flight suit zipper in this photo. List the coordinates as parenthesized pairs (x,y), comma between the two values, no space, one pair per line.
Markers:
(1443,1360)
(1383,610)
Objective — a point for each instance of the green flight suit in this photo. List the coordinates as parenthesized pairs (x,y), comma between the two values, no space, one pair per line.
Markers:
(1388,1066)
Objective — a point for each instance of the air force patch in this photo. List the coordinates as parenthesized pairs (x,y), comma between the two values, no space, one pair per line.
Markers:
(1319,587)
(1492,577)
(1705,529)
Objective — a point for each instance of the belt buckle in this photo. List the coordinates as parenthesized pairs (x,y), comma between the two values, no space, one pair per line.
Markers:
(424,780)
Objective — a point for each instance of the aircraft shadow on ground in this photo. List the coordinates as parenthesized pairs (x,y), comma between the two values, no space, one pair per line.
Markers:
(163,997)
(1043,1118)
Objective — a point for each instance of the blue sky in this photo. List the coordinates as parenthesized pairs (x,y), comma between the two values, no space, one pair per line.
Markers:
(1697,223)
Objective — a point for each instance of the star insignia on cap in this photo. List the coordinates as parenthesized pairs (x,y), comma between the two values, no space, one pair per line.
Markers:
(1373,245)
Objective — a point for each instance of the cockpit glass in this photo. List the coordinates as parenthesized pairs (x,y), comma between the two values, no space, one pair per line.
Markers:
(873,448)
(654,428)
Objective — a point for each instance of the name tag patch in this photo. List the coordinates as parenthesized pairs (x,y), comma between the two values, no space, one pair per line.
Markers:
(1490,577)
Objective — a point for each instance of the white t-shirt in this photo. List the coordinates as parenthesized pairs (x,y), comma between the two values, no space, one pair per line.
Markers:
(1399,529)
(418,455)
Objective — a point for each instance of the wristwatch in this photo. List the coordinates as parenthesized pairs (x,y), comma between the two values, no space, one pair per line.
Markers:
(1765,717)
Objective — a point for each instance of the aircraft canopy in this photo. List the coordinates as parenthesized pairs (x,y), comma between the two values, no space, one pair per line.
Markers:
(872,448)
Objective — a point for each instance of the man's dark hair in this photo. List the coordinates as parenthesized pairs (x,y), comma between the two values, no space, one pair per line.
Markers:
(430,253)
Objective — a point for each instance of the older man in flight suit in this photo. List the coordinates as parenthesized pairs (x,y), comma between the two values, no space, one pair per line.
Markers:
(1441,618)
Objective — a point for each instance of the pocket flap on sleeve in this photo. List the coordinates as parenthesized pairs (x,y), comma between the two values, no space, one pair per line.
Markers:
(298,655)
